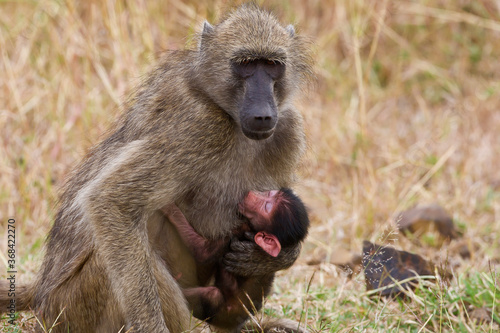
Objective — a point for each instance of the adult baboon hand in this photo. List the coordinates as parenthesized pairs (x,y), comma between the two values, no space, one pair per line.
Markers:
(246,258)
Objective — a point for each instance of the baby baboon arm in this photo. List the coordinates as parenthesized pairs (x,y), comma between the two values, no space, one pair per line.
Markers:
(246,258)
(201,248)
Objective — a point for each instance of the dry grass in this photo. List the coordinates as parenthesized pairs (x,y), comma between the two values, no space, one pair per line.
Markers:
(404,111)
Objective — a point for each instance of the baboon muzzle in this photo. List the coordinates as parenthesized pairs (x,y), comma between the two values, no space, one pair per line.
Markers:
(258,113)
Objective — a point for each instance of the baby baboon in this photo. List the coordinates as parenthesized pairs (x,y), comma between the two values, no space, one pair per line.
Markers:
(277,218)
(204,128)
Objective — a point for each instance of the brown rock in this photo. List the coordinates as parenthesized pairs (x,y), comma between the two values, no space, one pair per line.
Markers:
(383,265)
(425,218)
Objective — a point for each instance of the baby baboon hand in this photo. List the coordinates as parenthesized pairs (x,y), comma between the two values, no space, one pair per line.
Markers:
(246,258)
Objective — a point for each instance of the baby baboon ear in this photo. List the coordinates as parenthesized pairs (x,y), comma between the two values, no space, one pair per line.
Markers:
(268,243)
(291,30)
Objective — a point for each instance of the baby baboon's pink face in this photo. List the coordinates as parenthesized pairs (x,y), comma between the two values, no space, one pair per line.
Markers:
(259,208)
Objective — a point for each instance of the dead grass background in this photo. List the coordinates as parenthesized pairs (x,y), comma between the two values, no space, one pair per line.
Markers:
(404,111)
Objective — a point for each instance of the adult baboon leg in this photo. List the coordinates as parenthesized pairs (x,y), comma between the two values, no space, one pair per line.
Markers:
(85,287)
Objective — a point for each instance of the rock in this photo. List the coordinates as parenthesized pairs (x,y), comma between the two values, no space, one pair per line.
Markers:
(383,265)
(425,218)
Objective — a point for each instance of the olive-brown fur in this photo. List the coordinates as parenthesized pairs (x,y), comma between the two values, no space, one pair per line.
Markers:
(179,140)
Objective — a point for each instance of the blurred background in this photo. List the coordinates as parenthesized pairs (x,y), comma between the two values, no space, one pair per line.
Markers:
(403,112)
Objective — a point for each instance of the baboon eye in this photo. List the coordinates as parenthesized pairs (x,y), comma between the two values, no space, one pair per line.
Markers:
(268,207)
(274,68)
(244,68)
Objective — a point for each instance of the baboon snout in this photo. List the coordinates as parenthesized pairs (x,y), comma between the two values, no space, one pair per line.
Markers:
(258,112)
(260,125)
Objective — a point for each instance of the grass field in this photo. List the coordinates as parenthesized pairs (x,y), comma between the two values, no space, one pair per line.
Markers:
(404,111)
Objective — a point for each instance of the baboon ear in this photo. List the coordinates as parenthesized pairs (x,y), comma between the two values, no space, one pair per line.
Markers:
(291,30)
(207,30)
(268,243)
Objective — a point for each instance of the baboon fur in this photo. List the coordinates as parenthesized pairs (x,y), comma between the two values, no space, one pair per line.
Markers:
(179,140)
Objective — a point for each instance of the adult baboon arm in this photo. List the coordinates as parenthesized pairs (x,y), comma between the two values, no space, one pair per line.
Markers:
(118,203)
(248,259)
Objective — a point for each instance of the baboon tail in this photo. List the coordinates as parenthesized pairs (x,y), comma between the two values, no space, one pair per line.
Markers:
(271,325)
(14,297)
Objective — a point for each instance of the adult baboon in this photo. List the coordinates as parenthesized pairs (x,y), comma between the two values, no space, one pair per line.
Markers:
(205,127)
